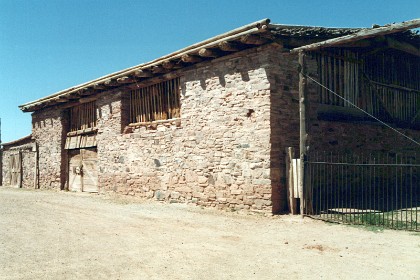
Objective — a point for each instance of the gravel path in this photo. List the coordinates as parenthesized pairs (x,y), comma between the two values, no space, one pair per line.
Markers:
(62,235)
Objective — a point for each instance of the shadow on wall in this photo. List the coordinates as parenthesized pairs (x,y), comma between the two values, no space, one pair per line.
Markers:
(284,129)
(65,124)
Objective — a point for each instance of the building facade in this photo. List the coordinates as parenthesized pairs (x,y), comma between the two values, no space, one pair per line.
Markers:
(210,124)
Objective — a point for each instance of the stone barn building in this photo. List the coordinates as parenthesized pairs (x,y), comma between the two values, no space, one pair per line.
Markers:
(210,124)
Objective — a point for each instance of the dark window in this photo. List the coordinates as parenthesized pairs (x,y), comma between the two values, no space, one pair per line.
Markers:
(83,117)
(159,101)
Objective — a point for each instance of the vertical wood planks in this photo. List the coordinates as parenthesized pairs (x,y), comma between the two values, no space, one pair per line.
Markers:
(83,116)
(384,83)
(155,102)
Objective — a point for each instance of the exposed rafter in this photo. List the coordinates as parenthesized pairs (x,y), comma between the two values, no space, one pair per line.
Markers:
(111,83)
(229,46)
(125,80)
(142,73)
(209,52)
(191,58)
(403,46)
(251,39)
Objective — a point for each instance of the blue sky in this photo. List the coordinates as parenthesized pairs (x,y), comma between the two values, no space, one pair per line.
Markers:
(50,45)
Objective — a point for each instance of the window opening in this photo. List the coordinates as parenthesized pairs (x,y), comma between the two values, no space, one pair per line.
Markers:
(159,101)
(383,83)
(83,117)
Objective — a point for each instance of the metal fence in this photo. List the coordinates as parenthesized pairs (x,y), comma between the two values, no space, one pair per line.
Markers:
(379,190)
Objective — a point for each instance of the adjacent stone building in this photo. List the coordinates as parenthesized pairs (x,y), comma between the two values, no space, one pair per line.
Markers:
(209,124)
(19,160)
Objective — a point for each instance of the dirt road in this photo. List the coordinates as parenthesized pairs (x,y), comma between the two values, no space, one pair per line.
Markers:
(59,235)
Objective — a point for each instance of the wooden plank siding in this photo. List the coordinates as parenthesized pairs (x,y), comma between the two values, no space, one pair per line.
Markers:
(385,83)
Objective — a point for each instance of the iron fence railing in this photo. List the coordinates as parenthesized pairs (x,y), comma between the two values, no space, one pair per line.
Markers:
(380,190)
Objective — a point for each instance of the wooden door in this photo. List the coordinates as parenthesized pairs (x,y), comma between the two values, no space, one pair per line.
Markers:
(89,171)
(83,175)
(75,170)
(15,167)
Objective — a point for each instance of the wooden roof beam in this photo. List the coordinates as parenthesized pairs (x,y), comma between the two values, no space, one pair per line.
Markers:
(168,64)
(251,39)
(402,46)
(191,58)
(87,99)
(85,91)
(125,80)
(359,44)
(204,52)
(158,69)
(98,87)
(111,83)
(229,46)
(142,73)
(63,98)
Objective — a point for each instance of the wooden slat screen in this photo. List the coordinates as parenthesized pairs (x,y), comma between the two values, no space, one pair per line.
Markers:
(155,102)
(384,84)
(83,116)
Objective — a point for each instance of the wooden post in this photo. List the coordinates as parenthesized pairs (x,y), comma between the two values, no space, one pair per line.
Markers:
(290,155)
(36,184)
(20,168)
(303,134)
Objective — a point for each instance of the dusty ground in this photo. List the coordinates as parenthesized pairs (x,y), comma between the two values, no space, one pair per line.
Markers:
(59,235)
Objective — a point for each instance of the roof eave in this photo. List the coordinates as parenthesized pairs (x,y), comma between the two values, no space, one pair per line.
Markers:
(255,27)
(363,34)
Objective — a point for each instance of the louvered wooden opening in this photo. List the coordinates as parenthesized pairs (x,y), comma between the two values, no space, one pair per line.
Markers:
(159,101)
(83,117)
(384,83)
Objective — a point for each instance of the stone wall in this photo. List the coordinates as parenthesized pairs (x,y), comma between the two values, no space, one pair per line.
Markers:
(226,150)
(239,113)
(49,128)
(27,151)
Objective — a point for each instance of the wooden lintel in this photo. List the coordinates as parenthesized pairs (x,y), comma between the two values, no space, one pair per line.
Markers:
(251,39)
(403,46)
(169,76)
(209,52)
(229,46)
(69,104)
(190,58)
(143,73)
(154,122)
(125,80)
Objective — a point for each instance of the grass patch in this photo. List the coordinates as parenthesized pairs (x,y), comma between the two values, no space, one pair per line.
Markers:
(375,221)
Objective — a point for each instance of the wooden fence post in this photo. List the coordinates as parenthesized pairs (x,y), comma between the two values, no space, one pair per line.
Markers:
(302,125)
(292,202)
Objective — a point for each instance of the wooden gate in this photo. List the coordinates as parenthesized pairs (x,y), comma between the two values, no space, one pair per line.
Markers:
(83,175)
(15,167)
